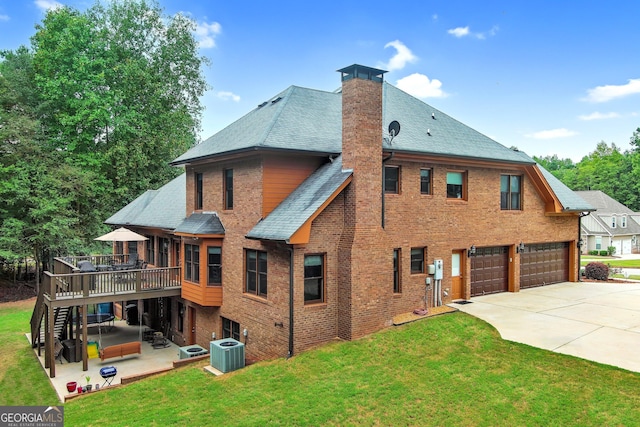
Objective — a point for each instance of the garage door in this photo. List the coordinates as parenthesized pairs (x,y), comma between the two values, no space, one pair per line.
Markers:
(490,271)
(543,264)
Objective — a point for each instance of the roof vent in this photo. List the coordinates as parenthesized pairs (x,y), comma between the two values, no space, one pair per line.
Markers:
(429,132)
(433,116)
(276,100)
(263,104)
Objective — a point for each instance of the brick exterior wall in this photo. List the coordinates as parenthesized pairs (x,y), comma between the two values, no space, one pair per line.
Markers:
(358,250)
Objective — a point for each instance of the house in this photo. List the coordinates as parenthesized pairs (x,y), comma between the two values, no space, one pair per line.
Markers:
(613,224)
(323,215)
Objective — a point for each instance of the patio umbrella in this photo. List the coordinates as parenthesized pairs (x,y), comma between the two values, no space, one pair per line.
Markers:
(121,235)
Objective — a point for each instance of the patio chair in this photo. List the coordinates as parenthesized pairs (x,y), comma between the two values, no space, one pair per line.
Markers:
(159,341)
(132,262)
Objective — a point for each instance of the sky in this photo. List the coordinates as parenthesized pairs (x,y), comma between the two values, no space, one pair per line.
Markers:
(547,77)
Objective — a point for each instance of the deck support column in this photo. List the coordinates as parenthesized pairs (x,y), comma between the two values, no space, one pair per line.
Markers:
(85,359)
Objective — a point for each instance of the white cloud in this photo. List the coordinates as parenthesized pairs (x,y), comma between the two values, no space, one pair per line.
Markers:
(206,34)
(552,134)
(599,116)
(460,32)
(45,5)
(401,58)
(226,96)
(4,17)
(421,86)
(608,92)
(434,17)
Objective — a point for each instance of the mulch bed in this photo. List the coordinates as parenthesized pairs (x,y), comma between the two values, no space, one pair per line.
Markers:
(18,291)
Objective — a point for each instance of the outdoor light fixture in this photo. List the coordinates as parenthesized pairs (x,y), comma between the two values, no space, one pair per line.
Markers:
(581,242)
(471,251)
(520,248)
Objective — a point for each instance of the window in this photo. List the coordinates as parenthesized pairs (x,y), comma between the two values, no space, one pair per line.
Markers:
(455,185)
(180,317)
(613,222)
(510,192)
(417,260)
(230,329)
(151,250)
(256,273)
(397,288)
(199,193)
(313,279)
(132,247)
(598,242)
(163,252)
(228,188)
(214,265)
(392,179)
(425,181)
(192,263)
(623,221)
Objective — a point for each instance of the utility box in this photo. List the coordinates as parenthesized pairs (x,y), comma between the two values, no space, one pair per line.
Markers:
(438,274)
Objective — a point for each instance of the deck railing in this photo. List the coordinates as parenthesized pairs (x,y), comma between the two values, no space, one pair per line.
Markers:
(69,283)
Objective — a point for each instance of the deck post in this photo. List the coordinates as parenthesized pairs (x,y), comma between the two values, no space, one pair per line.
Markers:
(49,342)
(85,360)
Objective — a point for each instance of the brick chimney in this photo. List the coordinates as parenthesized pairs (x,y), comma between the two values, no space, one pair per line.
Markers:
(366,266)
(362,138)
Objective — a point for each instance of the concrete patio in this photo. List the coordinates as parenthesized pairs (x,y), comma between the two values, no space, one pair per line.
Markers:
(598,321)
(151,360)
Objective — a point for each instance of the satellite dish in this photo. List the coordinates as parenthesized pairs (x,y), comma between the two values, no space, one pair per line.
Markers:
(394,129)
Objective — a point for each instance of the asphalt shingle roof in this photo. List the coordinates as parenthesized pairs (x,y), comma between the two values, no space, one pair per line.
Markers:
(302,203)
(201,223)
(161,208)
(603,203)
(302,119)
(569,199)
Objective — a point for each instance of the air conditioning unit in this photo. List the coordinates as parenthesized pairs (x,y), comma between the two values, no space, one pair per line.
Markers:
(189,351)
(227,354)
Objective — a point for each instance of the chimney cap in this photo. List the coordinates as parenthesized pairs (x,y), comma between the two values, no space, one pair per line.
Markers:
(361,72)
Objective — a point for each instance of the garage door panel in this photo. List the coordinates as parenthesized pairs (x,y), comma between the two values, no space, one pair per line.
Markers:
(544,264)
(489,271)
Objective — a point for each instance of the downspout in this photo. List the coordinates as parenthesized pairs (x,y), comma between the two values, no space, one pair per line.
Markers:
(290,302)
(383,182)
(580,242)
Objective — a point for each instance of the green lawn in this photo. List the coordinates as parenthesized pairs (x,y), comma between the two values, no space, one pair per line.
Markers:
(447,370)
(611,261)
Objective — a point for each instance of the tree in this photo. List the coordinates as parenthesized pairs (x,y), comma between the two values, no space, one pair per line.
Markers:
(122,83)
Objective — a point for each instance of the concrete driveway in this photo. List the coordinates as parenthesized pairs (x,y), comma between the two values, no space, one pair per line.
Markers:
(594,321)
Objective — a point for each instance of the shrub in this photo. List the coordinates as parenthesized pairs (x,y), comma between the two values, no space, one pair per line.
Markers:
(594,252)
(611,250)
(604,253)
(596,271)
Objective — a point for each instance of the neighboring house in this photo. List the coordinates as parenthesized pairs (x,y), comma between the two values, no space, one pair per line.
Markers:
(613,224)
(312,218)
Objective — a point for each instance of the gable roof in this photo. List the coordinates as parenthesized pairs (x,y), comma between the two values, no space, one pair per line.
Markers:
(161,208)
(570,200)
(603,203)
(309,120)
(303,204)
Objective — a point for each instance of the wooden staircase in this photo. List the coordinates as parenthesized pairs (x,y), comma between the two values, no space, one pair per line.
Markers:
(61,317)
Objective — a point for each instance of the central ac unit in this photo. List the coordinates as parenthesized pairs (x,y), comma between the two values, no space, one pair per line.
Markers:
(191,351)
(227,354)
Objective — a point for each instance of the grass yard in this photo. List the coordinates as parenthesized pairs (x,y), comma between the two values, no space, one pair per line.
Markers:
(611,261)
(447,370)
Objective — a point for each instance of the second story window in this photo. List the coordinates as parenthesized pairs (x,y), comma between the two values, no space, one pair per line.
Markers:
(425,181)
(392,179)
(256,273)
(613,222)
(510,192)
(228,188)
(623,221)
(199,191)
(456,185)
(192,263)
(214,265)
